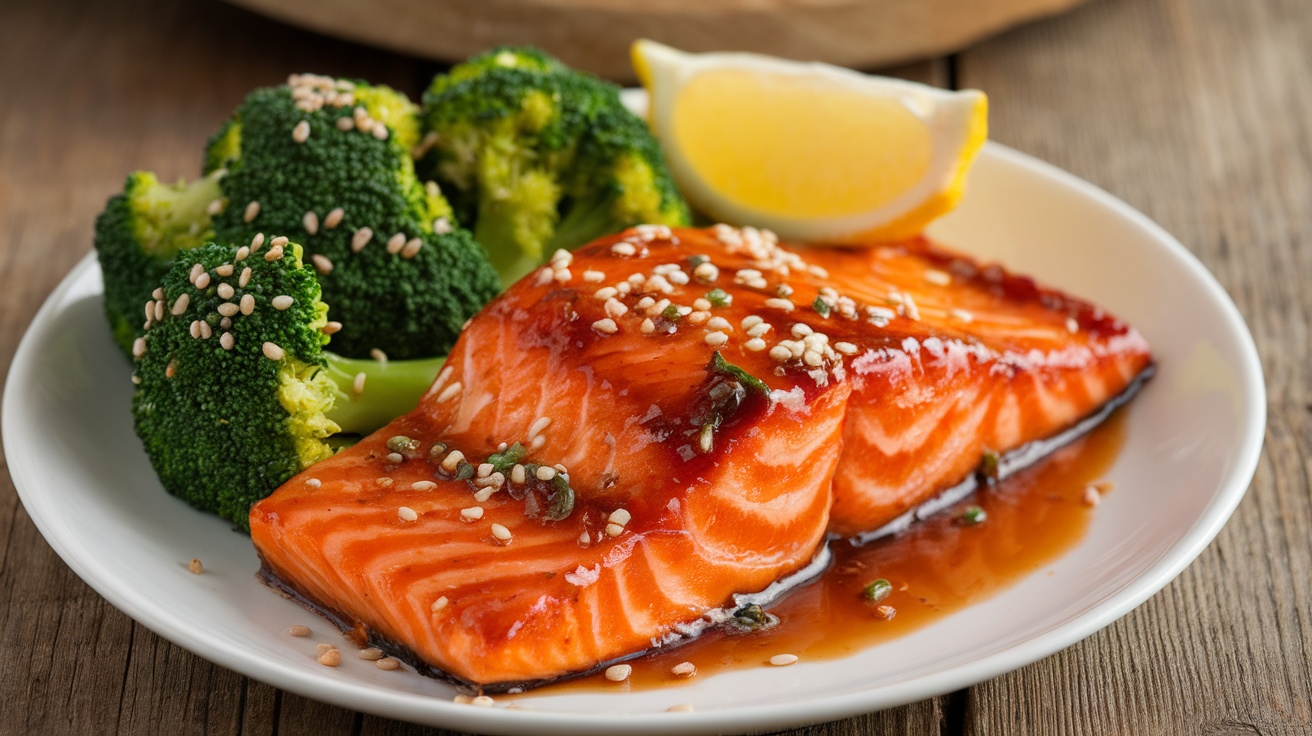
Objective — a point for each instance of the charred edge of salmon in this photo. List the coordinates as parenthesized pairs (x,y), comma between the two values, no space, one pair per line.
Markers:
(364,636)
(1010,463)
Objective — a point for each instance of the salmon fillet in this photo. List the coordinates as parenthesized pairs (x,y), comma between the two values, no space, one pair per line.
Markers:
(720,403)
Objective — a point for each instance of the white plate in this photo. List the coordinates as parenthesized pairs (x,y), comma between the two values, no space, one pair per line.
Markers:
(1193,441)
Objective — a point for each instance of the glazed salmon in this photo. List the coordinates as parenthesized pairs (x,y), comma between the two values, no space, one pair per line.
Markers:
(719,403)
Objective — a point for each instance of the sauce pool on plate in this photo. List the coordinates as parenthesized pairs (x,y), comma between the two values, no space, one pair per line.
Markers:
(935,567)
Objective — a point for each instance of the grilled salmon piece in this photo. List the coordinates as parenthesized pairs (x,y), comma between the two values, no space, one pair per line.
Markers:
(729,399)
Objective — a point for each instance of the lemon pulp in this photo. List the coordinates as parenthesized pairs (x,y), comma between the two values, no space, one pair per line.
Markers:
(798,147)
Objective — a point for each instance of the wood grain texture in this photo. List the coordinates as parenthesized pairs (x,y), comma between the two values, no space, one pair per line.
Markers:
(1195,112)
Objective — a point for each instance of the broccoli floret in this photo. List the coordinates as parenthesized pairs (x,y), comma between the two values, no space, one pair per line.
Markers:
(235,392)
(501,57)
(329,162)
(137,237)
(537,156)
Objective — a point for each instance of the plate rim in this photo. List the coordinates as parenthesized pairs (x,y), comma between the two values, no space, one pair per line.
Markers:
(425,709)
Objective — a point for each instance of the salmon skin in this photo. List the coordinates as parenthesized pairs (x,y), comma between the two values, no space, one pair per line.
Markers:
(630,437)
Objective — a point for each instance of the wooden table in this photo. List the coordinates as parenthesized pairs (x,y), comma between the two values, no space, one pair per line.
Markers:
(1197,112)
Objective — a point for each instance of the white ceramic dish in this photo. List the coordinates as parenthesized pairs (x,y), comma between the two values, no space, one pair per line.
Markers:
(1193,442)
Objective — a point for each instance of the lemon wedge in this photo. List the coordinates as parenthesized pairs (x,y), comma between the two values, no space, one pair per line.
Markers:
(814,152)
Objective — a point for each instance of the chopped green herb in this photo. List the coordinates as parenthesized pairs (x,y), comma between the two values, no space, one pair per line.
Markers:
(720,365)
(972,516)
(989,466)
(561,501)
(752,618)
(671,313)
(821,307)
(507,458)
(877,591)
(464,471)
(719,297)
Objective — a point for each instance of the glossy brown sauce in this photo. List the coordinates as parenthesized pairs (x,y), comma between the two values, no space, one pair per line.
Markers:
(936,566)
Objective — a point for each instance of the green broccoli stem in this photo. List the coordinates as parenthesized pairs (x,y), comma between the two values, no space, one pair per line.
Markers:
(583,223)
(390,389)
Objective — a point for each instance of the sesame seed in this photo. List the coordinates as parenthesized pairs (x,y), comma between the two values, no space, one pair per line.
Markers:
(225,270)
(779,303)
(159,310)
(623,287)
(647,327)
(321,648)
(181,304)
(482,701)
(615,308)
(1071,325)
(226,340)
(405,513)
(313,483)
(442,225)
(280,303)
(885,612)
(452,460)
(800,330)
(158,293)
(298,630)
(321,263)
(620,516)
(247,304)
(380,132)
(386,663)
(563,275)
(331,328)
(311,223)
(423,485)
(759,330)
(698,318)
(214,207)
(225,291)
(228,309)
(484,470)
(537,442)
(271,351)
(333,218)
(370,654)
(194,567)
(449,392)
(961,315)
(439,604)
(614,530)
(780,353)
(275,253)
(539,424)
(501,533)
(1091,496)
(278,241)
(473,513)
(411,248)
(150,312)
(646,302)
(719,323)
(195,328)
(755,345)
(623,249)
(593,277)
(203,281)
(517,474)
(205,331)
(196,271)
(678,277)
(545,275)
(483,494)
(245,277)
(252,211)
(396,243)
(813,359)
(706,273)
(301,133)
(330,658)
(545,473)
(846,348)
(935,276)
(345,123)
(606,326)
(619,672)
(684,669)
(716,339)
(395,458)
(357,385)
(361,238)
(783,660)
